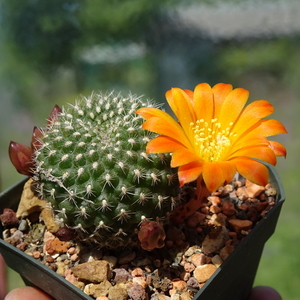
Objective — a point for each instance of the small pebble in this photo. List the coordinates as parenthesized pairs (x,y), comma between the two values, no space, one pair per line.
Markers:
(141,281)
(75,257)
(198,259)
(137,292)
(71,250)
(177,286)
(215,200)
(97,290)
(195,219)
(271,192)
(61,268)
(226,251)
(49,259)
(241,193)
(121,275)
(217,260)
(228,209)
(239,225)
(118,292)
(69,276)
(185,275)
(22,246)
(36,254)
(203,273)
(253,190)
(215,240)
(95,272)
(23,226)
(56,246)
(189,267)
(137,272)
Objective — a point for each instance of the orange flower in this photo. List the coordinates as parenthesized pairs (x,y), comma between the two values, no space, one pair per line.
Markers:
(217,135)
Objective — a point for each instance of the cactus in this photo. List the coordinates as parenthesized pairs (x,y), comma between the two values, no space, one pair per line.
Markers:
(90,164)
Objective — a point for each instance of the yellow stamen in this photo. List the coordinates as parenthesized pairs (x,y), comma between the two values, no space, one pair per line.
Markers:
(211,141)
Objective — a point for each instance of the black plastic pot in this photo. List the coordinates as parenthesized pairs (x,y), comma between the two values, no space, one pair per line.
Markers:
(233,280)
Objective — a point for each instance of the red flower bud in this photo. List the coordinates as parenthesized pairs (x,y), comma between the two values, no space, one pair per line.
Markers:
(54,115)
(151,235)
(20,156)
(36,139)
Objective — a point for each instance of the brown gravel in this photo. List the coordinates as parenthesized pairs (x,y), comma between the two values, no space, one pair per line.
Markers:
(192,253)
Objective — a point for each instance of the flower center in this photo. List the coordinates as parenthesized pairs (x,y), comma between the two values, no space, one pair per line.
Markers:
(211,140)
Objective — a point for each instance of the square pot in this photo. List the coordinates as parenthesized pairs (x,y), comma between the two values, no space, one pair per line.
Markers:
(232,280)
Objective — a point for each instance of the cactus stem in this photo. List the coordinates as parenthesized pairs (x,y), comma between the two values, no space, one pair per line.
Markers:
(155,178)
(62,212)
(89,191)
(143,198)
(80,171)
(78,156)
(104,206)
(82,212)
(123,216)
(110,156)
(65,175)
(91,164)
(174,201)
(145,155)
(121,165)
(101,225)
(161,200)
(129,153)
(171,178)
(138,174)
(81,144)
(80,227)
(64,157)
(95,165)
(107,179)
(52,152)
(125,192)
(121,232)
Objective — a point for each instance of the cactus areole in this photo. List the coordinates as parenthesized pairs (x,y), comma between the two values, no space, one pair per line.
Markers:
(90,163)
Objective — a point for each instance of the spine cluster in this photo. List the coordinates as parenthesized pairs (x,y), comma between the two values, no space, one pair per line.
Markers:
(92,167)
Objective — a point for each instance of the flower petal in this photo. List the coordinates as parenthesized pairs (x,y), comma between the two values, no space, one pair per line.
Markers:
(251,114)
(262,129)
(228,169)
(232,106)
(163,144)
(150,112)
(213,175)
(262,152)
(278,148)
(220,91)
(171,129)
(182,107)
(183,156)
(189,172)
(251,169)
(20,156)
(204,102)
(190,95)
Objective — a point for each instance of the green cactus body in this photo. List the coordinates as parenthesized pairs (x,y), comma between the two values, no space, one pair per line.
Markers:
(93,169)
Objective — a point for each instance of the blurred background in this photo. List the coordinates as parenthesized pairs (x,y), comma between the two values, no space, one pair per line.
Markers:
(54,51)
